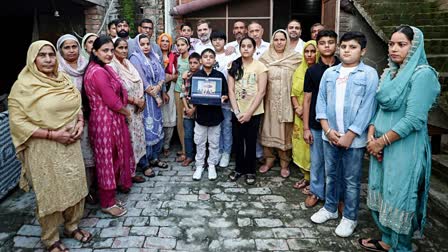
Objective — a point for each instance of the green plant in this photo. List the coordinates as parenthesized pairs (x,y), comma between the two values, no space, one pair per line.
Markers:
(128,12)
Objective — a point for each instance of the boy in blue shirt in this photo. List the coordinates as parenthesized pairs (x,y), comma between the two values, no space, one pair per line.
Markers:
(345,105)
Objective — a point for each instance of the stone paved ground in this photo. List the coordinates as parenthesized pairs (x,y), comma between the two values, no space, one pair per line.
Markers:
(173,213)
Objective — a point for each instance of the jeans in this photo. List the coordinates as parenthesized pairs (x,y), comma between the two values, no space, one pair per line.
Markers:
(188,137)
(245,141)
(152,153)
(317,170)
(225,141)
(348,163)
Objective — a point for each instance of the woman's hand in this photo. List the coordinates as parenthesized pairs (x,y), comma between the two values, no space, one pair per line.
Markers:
(189,111)
(62,136)
(244,117)
(299,111)
(375,146)
(76,134)
(166,98)
(308,136)
(155,90)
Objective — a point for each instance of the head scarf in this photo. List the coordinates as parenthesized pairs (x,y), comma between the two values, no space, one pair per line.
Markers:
(152,70)
(84,52)
(77,73)
(283,68)
(396,78)
(38,101)
(128,74)
(170,62)
(299,75)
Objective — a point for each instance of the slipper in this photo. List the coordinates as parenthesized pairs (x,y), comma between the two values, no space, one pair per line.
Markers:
(58,245)
(138,179)
(376,243)
(187,162)
(264,168)
(159,163)
(284,172)
(250,179)
(306,190)
(181,158)
(84,237)
(151,174)
(234,176)
(113,210)
(301,184)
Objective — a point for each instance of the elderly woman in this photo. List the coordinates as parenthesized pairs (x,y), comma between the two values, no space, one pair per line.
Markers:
(278,118)
(87,44)
(153,76)
(300,149)
(73,65)
(135,104)
(400,165)
(108,131)
(169,108)
(46,124)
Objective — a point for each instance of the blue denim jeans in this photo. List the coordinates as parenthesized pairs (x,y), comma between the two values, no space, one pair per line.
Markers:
(152,153)
(343,166)
(317,171)
(225,140)
(188,137)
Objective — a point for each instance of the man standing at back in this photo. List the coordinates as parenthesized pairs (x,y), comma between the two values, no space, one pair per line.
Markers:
(255,31)
(112,29)
(294,29)
(239,32)
(204,30)
(122,27)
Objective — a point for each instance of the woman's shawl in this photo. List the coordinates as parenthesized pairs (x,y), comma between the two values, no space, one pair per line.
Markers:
(298,78)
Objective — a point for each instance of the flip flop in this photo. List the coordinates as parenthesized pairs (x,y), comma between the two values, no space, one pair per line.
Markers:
(301,184)
(85,237)
(151,174)
(285,172)
(306,190)
(58,245)
(376,243)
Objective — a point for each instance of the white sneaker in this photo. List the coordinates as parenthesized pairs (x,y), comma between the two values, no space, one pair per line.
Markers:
(198,173)
(345,227)
(323,215)
(225,158)
(212,172)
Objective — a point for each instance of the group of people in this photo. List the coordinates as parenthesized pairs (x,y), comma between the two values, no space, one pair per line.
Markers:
(85,115)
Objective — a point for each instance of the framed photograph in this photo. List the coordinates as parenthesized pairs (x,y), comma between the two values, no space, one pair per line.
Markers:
(206,91)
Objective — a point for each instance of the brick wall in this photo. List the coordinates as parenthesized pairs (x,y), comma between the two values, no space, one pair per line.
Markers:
(93,18)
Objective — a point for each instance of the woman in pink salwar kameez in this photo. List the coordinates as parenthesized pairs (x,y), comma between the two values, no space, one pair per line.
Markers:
(108,131)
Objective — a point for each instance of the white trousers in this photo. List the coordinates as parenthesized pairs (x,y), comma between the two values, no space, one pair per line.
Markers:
(202,134)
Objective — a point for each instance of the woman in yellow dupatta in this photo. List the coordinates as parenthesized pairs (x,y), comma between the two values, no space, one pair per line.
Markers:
(277,123)
(300,149)
(46,126)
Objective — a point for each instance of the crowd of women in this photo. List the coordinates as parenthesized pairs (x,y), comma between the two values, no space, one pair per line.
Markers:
(85,115)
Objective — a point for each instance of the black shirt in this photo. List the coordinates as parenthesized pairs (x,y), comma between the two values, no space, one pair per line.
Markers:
(210,115)
(311,85)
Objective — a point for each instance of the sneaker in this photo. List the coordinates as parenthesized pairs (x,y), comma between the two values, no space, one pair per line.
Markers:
(323,215)
(345,227)
(198,173)
(212,172)
(225,158)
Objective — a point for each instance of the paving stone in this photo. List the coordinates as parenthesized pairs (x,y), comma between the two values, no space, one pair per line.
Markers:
(259,191)
(191,246)
(144,231)
(163,221)
(219,223)
(71,243)
(138,196)
(160,243)
(235,190)
(193,222)
(192,212)
(103,223)
(25,242)
(223,197)
(286,233)
(162,196)
(154,212)
(104,243)
(272,198)
(227,184)
(88,222)
(29,230)
(158,189)
(136,221)
(149,204)
(129,242)
(309,232)
(114,232)
(271,244)
(132,212)
(298,244)
(204,196)
(143,250)
(239,245)
(262,233)
(185,173)
(196,234)
(251,212)
(264,222)
(168,232)
(244,222)
(174,204)
(186,197)
(229,233)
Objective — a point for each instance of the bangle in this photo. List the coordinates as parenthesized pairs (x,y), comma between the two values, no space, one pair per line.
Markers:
(384,140)
(48,134)
(327,132)
(387,138)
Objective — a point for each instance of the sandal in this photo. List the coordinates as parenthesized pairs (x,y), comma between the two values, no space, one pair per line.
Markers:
(138,179)
(306,190)
(166,152)
(234,176)
(181,158)
(115,210)
(58,245)
(91,199)
(301,184)
(285,172)
(187,162)
(250,179)
(376,243)
(264,168)
(149,174)
(79,235)
(123,189)
(159,163)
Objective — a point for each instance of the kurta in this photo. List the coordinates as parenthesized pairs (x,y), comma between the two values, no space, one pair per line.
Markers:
(108,131)
(134,87)
(399,185)
(277,122)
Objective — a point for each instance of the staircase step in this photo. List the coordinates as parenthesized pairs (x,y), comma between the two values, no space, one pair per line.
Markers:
(418,19)
(436,46)
(404,7)
(430,31)
(439,63)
